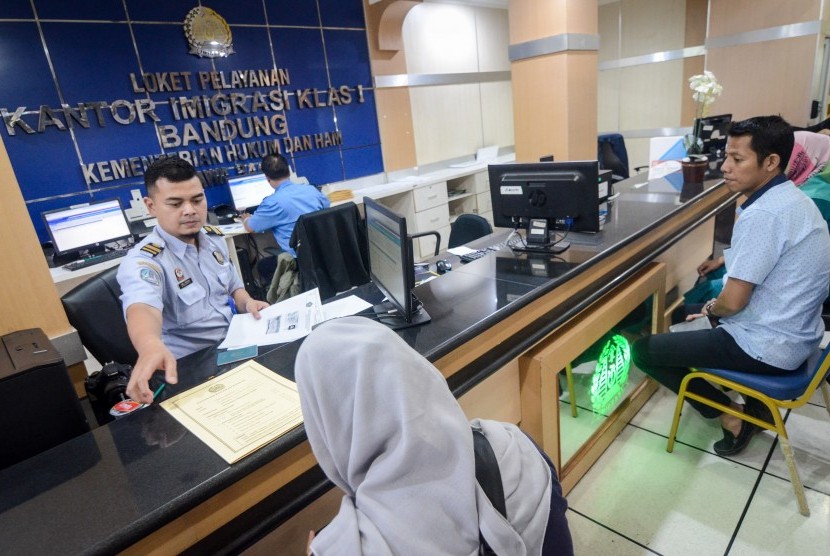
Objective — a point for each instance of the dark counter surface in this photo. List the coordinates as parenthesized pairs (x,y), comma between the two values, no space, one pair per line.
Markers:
(108,489)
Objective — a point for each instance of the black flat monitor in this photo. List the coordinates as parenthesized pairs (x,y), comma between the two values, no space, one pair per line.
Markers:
(713,132)
(86,227)
(249,191)
(566,194)
(392,267)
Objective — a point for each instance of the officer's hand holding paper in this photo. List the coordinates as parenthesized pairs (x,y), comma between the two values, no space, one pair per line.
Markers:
(286,321)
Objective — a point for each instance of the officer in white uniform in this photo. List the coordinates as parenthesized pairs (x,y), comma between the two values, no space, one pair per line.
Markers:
(194,284)
(177,283)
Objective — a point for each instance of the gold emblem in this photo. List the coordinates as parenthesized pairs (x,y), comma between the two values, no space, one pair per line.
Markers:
(207,33)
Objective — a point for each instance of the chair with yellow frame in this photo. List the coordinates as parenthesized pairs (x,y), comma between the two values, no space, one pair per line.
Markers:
(787,391)
(569,376)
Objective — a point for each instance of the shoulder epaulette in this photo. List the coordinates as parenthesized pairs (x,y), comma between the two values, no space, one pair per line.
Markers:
(213,231)
(152,248)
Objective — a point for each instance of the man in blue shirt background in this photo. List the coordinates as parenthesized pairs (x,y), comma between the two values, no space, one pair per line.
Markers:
(279,211)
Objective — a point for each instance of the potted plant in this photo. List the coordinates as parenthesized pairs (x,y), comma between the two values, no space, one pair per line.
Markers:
(705,89)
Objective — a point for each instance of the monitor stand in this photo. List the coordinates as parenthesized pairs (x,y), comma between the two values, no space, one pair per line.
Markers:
(549,249)
(388,315)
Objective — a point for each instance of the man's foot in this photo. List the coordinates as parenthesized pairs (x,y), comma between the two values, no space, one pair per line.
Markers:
(731,445)
(759,410)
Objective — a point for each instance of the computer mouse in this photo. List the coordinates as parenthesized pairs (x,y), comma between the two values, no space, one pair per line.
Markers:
(443,266)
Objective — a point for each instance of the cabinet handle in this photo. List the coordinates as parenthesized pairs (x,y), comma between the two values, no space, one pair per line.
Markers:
(434,219)
(434,196)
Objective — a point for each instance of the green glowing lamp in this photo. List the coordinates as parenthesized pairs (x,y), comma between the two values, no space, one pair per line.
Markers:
(611,374)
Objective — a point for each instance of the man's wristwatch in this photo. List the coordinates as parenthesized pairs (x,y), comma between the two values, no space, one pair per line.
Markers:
(708,308)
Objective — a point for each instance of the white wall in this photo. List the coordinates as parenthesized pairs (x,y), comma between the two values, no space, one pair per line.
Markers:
(454,120)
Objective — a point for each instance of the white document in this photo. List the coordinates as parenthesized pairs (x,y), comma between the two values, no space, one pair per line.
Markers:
(285,321)
(344,307)
(460,251)
(661,168)
(240,411)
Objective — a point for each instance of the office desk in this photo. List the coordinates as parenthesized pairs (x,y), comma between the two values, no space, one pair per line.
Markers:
(117,489)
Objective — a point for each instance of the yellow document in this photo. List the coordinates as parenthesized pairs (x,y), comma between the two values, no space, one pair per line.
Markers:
(240,411)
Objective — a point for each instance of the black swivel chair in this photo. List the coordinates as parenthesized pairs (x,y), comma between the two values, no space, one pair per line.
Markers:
(332,250)
(94,309)
(468,227)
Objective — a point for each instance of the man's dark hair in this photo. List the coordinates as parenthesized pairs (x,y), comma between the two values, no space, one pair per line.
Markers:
(275,167)
(173,168)
(769,135)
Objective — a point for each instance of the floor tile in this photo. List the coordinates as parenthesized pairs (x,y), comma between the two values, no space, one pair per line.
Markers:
(809,430)
(656,416)
(665,501)
(773,525)
(818,398)
(591,539)
(574,431)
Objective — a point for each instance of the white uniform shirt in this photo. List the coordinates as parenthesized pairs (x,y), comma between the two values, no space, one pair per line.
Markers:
(189,286)
(780,243)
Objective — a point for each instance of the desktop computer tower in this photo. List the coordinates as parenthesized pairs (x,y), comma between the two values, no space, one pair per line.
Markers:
(40,406)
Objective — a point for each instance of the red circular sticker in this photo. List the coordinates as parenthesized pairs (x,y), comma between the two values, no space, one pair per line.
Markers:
(124,407)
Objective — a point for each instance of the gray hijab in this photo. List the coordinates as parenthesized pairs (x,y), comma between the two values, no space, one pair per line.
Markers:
(385,428)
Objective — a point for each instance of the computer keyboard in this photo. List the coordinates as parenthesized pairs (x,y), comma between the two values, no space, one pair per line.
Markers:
(474,255)
(477,254)
(96,259)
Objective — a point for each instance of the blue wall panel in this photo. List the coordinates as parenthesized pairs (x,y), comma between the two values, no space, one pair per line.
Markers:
(301,52)
(93,52)
(149,10)
(164,48)
(320,168)
(358,122)
(348,57)
(362,162)
(96,10)
(238,11)
(26,79)
(45,164)
(292,12)
(15,9)
(342,13)
(251,45)
(80,62)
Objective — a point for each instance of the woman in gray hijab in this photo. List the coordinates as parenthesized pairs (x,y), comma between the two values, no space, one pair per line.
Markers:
(385,428)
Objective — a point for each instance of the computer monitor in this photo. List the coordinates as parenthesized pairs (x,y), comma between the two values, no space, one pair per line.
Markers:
(86,227)
(249,191)
(565,194)
(713,132)
(392,267)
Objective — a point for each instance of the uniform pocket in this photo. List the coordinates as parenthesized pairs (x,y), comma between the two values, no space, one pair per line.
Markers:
(188,308)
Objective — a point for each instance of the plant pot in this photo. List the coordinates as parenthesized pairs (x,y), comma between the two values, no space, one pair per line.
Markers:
(694,171)
(694,168)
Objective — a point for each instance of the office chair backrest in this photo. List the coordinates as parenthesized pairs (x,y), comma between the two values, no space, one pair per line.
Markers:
(332,252)
(613,155)
(468,227)
(94,309)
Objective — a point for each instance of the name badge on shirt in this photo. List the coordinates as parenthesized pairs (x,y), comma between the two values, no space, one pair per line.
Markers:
(220,258)
(185,283)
